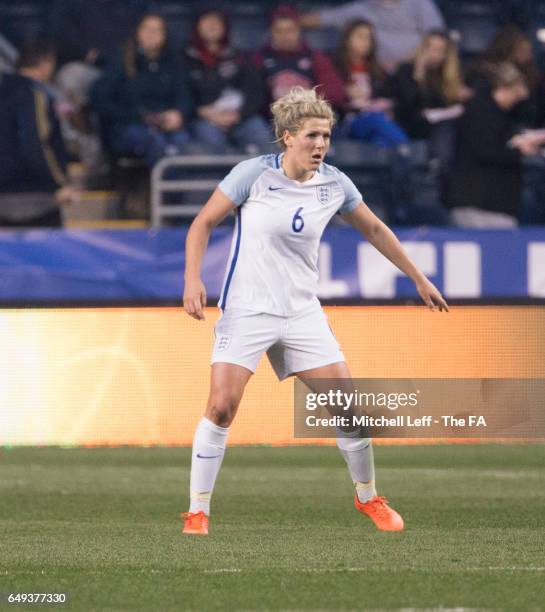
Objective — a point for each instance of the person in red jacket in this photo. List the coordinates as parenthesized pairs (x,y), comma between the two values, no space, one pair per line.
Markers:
(287,61)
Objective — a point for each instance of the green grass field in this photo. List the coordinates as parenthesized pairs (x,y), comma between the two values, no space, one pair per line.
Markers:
(102,525)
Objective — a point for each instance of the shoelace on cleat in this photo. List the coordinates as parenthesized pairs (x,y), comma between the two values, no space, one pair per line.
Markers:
(192,515)
(380,504)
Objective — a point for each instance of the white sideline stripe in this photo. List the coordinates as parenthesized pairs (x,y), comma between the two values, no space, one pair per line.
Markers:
(515,569)
(443,609)
(461,569)
(318,570)
(324,570)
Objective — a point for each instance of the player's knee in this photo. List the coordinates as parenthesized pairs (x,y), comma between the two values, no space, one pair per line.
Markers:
(221,409)
(352,444)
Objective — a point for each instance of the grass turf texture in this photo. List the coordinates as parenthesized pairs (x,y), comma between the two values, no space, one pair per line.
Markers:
(102,525)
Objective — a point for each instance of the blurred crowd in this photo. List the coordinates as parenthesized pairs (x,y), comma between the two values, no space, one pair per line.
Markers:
(107,84)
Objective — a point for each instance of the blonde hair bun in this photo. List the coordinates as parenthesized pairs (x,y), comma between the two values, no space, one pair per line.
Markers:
(290,111)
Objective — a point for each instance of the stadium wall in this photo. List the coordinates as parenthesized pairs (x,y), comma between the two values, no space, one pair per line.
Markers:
(111,376)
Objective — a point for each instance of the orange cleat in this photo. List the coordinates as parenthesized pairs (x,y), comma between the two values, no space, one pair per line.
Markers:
(195,523)
(378,510)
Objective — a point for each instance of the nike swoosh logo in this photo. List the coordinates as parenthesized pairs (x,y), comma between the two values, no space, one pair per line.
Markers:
(207,456)
(275,188)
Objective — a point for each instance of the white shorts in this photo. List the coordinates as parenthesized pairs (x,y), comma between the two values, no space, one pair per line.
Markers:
(293,344)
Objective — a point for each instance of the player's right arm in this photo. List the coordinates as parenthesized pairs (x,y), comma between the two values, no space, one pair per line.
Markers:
(213,212)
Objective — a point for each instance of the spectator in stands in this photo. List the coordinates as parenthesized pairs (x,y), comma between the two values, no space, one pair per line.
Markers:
(88,34)
(369,104)
(399,24)
(511,45)
(226,89)
(33,179)
(143,100)
(367,112)
(486,179)
(287,61)
(429,92)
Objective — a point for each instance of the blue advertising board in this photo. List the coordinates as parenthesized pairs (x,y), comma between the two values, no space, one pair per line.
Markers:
(147,265)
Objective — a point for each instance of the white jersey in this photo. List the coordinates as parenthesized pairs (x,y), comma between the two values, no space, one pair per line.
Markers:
(274,254)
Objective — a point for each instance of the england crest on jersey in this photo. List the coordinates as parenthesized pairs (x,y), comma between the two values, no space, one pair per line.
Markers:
(324,193)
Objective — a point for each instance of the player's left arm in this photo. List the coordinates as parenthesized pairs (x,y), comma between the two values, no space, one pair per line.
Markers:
(384,240)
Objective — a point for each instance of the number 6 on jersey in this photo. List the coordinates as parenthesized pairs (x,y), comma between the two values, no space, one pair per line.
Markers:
(297,223)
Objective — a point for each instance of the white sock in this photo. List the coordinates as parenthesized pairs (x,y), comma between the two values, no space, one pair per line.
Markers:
(358,454)
(209,445)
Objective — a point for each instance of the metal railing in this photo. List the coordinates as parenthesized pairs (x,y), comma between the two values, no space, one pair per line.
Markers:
(161,184)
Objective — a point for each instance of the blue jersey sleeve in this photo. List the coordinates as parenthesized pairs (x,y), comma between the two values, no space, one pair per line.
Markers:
(238,183)
(352,197)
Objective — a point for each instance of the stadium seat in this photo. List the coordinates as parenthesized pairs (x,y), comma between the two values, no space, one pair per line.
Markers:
(426,208)
(323,39)
(424,176)
(525,13)
(179,16)
(532,210)
(131,181)
(21,20)
(354,154)
(248,25)
(401,186)
(535,28)
(369,167)
(473,23)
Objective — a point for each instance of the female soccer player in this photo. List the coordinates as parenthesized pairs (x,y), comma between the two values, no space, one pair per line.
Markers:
(268,301)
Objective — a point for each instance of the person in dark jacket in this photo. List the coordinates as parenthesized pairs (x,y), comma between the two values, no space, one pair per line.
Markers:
(369,107)
(486,179)
(33,179)
(226,89)
(89,35)
(287,61)
(144,100)
(512,45)
(428,93)
(430,89)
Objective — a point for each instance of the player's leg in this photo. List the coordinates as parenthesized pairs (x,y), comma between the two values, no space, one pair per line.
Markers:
(241,339)
(357,451)
(227,385)
(311,352)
